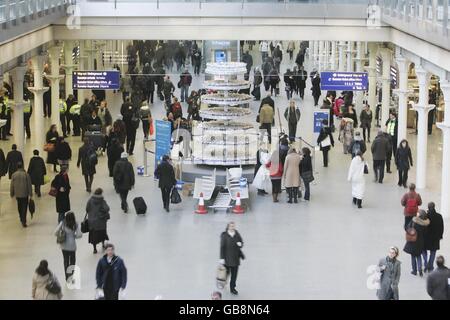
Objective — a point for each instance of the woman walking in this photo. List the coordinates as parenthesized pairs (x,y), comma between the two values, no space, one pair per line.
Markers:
(433,237)
(346,134)
(275,166)
(41,279)
(403,159)
(356,177)
(231,244)
(325,141)
(415,245)
(97,211)
(63,152)
(61,185)
(365,118)
(291,174)
(306,171)
(390,269)
(51,138)
(72,231)
(37,171)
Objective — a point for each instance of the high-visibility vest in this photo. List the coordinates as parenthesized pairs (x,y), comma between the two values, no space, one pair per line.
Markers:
(7,103)
(27,106)
(75,109)
(62,106)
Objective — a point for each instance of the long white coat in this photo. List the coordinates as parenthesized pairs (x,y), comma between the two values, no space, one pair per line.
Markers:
(356,177)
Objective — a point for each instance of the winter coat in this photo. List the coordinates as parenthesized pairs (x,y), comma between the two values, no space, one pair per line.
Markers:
(168,87)
(118,269)
(267,100)
(409,195)
(229,249)
(257,79)
(185,79)
(366,119)
(362,147)
(62,198)
(305,164)
(266,114)
(70,243)
(291,171)
(346,132)
(166,175)
(316,86)
(63,151)
(437,284)
(290,117)
(403,158)
(380,148)
(123,174)
(353,117)
(38,290)
(390,278)
(356,177)
(12,159)
(87,168)
(415,248)
(97,212)
(51,137)
(37,170)
(324,132)
(3,166)
(300,79)
(21,185)
(435,231)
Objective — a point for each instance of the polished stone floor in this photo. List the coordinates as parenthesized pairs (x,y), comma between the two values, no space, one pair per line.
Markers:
(312,250)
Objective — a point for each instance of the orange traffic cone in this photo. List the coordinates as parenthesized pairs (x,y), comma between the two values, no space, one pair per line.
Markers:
(237,208)
(201,205)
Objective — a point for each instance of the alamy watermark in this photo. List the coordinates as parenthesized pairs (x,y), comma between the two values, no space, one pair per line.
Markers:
(373,17)
(74,17)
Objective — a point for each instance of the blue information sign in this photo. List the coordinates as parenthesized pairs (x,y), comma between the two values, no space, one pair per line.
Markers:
(100,80)
(163,139)
(319,116)
(343,81)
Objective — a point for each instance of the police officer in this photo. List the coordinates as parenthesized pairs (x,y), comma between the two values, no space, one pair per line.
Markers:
(69,103)
(27,111)
(75,116)
(62,115)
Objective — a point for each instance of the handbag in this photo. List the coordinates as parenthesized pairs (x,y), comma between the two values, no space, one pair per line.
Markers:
(257,118)
(49,147)
(85,225)
(175,196)
(31,206)
(411,233)
(308,176)
(61,235)
(366,168)
(53,192)
(53,285)
(325,142)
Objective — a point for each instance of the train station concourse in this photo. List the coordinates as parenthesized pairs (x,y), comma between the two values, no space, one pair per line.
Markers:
(233,150)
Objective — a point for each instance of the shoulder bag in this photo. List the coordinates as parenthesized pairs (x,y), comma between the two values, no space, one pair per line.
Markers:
(61,234)
(411,233)
(85,224)
(53,285)
(307,176)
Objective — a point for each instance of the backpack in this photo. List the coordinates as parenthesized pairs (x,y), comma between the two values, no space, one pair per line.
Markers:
(91,156)
(356,148)
(411,205)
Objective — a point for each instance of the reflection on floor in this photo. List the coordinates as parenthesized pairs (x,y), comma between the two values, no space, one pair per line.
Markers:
(315,250)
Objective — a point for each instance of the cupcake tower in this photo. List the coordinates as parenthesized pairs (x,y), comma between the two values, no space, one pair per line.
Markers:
(223,141)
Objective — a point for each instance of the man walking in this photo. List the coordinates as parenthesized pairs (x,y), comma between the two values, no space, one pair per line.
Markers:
(266,116)
(123,175)
(438,281)
(22,190)
(166,175)
(111,275)
(87,157)
(380,148)
(185,82)
(129,115)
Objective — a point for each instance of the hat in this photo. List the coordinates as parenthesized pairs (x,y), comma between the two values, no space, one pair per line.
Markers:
(124,155)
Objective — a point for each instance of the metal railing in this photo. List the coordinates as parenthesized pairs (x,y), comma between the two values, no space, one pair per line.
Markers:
(17,9)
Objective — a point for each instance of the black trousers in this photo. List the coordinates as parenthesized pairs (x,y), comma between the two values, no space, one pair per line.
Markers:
(366,133)
(37,189)
(234,273)
(316,100)
(151,95)
(131,138)
(76,124)
(3,132)
(69,260)
(62,119)
(301,92)
(22,207)
(197,69)
(145,127)
(8,125)
(292,131)
(123,198)
(378,169)
(26,123)
(402,177)
(111,295)
(268,127)
(325,157)
(407,222)
(165,192)
(47,107)
(88,179)
(68,118)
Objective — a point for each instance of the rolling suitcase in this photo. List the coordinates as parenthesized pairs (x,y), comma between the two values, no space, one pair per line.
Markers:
(139,205)
(96,138)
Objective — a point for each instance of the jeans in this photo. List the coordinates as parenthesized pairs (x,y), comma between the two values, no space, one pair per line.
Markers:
(289,94)
(69,260)
(292,131)
(378,169)
(123,198)
(234,273)
(416,262)
(307,190)
(131,138)
(366,133)
(184,93)
(402,177)
(62,119)
(429,263)
(165,192)
(268,127)
(197,69)
(60,217)
(22,207)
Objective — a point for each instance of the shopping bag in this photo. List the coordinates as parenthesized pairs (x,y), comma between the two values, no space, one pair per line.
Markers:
(175,196)
(152,128)
(31,207)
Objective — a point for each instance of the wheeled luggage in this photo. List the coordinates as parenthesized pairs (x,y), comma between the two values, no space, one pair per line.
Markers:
(96,138)
(139,205)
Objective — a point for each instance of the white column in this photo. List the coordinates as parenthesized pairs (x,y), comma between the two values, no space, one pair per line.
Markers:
(18,74)
(333,55)
(422,109)
(358,61)
(402,92)
(341,56)
(349,56)
(316,54)
(311,53)
(386,94)
(54,78)
(445,127)
(321,55)
(68,66)
(327,56)
(372,70)
(38,91)
(82,66)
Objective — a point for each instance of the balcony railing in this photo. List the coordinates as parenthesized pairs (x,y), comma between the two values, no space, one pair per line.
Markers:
(17,9)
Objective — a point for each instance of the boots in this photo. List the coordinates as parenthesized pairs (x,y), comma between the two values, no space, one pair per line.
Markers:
(295,192)
(290,192)
(275,197)
(354,200)
(359,202)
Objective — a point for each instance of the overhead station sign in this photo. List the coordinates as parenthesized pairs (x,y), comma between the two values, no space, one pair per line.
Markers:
(100,80)
(344,81)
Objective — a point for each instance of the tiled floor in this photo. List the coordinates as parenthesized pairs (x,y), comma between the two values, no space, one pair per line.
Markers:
(315,250)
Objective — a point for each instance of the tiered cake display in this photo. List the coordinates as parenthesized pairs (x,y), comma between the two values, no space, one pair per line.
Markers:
(223,141)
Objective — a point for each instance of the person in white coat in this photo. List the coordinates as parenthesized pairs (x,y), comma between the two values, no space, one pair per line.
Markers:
(356,177)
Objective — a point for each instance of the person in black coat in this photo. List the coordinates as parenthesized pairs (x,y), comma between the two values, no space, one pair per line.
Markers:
(231,254)
(62,185)
(315,82)
(3,166)
(437,281)
(415,248)
(325,132)
(13,158)
(403,159)
(123,174)
(433,237)
(111,274)
(51,138)
(306,166)
(87,158)
(37,171)
(63,152)
(113,151)
(166,175)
